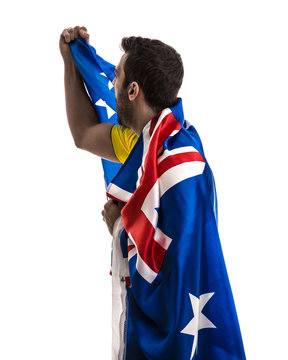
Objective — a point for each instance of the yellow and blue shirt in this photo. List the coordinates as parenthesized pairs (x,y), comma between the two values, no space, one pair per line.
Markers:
(123,140)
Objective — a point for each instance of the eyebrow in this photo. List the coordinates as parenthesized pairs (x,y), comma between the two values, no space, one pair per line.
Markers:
(116,72)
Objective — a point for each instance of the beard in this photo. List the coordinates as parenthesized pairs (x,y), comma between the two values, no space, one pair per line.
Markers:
(124,109)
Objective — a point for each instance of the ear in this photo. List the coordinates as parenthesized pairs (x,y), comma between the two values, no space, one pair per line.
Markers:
(133,90)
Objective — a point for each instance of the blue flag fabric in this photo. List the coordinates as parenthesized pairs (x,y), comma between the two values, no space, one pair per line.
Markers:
(171,293)
(179,303)
(98,75)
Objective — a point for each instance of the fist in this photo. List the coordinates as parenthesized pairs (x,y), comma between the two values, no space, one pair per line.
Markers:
(111,213)
(69,35)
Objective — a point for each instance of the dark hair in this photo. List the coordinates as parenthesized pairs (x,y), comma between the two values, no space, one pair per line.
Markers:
(156,67)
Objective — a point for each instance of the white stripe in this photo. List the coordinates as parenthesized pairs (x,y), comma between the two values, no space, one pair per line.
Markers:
(162,239)
(132,253)
(164,113)
(147,140)
(179,173)
(179,150)
(151,202)
(174,132)
(119,193)
(170,178)
(143,269)
(140,172)
(130,242)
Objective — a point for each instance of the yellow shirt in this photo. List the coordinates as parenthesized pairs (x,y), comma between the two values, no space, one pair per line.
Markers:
(123,140)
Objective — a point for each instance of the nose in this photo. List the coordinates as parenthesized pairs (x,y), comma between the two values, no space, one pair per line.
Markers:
(113,82)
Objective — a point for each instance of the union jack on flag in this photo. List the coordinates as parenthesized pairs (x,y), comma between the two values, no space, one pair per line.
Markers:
(172,166)
(170,289)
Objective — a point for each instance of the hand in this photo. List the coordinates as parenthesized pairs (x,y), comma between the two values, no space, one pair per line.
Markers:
(111,213)
(69,35)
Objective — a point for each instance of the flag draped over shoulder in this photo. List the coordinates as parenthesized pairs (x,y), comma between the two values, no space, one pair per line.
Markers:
(179,303)
(98,75)
(171,293)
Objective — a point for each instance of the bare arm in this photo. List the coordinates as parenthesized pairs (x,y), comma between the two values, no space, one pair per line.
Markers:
(87,132)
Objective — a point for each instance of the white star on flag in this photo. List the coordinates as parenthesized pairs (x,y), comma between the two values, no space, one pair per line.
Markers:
(199,321)
(110,111)
(110,85)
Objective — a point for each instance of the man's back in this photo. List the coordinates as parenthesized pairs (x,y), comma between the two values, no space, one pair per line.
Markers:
(170,244)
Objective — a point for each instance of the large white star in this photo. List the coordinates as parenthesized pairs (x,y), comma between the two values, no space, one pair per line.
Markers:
(199,321)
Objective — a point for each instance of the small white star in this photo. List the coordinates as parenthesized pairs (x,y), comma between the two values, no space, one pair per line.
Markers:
(110,111)
(110,85)
(199,321)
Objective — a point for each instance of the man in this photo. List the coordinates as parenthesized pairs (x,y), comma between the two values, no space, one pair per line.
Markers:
(84,124)
(171,294)
(110,142)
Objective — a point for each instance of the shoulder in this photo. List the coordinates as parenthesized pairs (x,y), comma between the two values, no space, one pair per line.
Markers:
(124,134)
(123,140)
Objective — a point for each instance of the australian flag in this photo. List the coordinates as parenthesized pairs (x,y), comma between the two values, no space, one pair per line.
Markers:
(98,75)
(171,293)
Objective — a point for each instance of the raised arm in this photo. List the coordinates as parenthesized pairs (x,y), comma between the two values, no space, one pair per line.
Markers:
(87,132)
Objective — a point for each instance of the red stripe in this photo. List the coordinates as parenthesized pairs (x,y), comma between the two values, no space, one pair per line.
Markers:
(150,251)
(153,123)
(130,247)
(134,220)
(177,159)
(128,281)
(168,124)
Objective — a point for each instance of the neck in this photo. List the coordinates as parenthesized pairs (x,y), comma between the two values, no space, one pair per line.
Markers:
(143,114)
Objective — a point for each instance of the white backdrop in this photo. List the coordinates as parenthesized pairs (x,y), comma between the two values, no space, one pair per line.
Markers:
(55,250)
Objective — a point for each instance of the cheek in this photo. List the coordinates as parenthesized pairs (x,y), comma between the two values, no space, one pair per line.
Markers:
(116,90)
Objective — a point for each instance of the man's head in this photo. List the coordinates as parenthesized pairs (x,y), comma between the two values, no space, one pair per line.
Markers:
(147,80)
(156,67)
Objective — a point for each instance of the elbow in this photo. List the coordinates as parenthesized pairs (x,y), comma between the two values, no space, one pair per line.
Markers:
(81,139)
(78,142)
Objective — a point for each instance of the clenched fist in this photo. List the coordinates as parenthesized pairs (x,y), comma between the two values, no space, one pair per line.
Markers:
(69,35)
(111,213)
